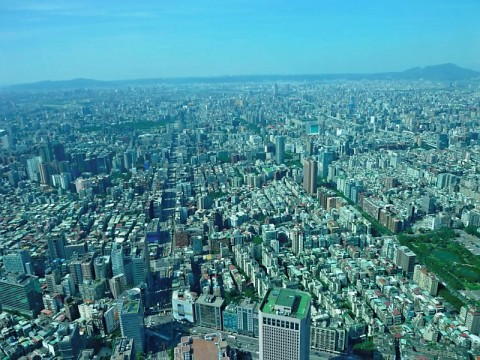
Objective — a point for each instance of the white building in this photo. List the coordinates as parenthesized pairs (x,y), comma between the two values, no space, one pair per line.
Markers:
(183,304)
(284,324)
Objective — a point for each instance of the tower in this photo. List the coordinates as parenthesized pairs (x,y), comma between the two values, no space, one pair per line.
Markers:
(310,168)
(326,159)
(131,311)
(284,323)
(280,149)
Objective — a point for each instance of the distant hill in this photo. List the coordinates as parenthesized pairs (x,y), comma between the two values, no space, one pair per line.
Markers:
(444,72)
(62,84)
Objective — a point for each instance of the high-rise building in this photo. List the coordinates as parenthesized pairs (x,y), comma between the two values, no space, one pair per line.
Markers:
(122,262)
(88,272)
(101,267)
(405,258)
(426,280)
(326,158)
(70,342)
(53,279)
(230,318)
(183,303)
(328,338)
(208,311)
(297,238)
(140,264)
(284,324)
(45,173)
(310,169)
(16,262)
(131,311)
(21,293)
(117,285)
(280,149)
(247,317)
(32,168)
(56,246)
(472,321)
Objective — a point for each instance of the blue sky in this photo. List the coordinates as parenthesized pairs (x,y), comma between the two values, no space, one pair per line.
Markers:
(108,40)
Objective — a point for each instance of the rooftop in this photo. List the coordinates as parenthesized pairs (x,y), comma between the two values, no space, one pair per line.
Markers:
(287,302)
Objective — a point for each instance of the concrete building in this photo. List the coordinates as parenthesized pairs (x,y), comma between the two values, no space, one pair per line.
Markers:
(280,149)
(310,169)
(328,339)
(472,321)
(131,312)
(284,323)
(208,347)
(208,311)
(21,293)
(70,342)
(405,258)
(17,262)
(183,305)
(247,317)
(425,279)
(123,350)
(117,285)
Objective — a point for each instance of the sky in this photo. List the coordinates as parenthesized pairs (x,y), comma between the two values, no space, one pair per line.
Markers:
(125,39)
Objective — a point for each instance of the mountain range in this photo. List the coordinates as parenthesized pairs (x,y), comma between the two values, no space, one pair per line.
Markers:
(443,72)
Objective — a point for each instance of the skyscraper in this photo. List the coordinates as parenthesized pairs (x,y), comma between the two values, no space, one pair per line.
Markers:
(284,323)
(16,262)
(21,293)
(405,258)
(131,312)
(280,149)
(326,158)
(118,285)
(310,168)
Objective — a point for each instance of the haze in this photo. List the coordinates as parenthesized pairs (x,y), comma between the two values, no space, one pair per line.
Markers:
(112,40)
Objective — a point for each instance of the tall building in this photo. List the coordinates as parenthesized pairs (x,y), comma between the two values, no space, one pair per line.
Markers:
(310,169)
(297,238)
(329,338)
(426,280)
(280,149)
(21,293)
(326,158)
(56,246)
(101,267)
(87,266)
(70,342)
(405,258)
(53,279)
(131,311)
(284,324)
(183,303)
(247,317)
(472,321)
(16,262)
(117,285)
(140,264)
(208,311)
(121,260)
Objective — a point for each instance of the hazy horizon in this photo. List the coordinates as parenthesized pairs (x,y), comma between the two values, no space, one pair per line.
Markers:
(55,40)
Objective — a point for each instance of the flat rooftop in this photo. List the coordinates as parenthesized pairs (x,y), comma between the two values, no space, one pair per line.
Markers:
(287,302)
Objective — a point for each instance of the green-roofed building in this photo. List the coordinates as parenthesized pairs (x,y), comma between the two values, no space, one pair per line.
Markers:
(284,323)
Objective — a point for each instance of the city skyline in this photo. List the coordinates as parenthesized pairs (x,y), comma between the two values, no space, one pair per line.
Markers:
(112,41)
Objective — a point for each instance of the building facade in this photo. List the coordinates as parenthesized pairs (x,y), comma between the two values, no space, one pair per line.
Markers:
(284,324)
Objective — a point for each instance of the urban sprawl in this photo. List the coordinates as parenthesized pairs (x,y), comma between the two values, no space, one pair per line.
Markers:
(257,220)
